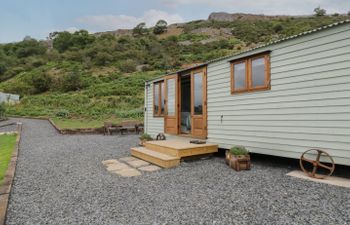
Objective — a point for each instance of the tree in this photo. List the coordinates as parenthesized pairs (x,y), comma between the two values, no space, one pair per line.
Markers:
(61,40)
(161,27)
(41,82)
(319,12)
(72,81)
(140,29)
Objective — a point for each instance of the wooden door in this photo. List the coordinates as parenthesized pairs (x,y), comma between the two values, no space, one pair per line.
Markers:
(199,103)
(171,105)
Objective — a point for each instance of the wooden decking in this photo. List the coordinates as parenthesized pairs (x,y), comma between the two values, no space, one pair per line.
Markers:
(168,153)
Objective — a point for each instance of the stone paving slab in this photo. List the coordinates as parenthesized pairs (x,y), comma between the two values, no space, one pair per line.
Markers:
(109,161)
(128,159)
(138,163)
(150,168)
(127,172)
(116,166)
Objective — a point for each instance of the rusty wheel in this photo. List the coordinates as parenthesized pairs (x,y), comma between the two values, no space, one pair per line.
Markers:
(317,164)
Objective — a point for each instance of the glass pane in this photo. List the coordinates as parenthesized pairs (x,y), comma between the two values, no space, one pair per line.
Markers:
(162,97)
(239,76)
(258,72)
(198,93)
(156,98)
(171,92)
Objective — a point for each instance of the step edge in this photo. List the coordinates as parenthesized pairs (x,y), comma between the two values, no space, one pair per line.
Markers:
(170,157)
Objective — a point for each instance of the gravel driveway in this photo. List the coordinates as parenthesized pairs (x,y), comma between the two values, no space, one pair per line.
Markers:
(60,180)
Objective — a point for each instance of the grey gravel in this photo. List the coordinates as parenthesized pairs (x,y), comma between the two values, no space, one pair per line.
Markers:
(61,180)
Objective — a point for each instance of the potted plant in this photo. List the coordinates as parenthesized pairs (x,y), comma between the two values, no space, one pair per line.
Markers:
(238,158)
(144,138)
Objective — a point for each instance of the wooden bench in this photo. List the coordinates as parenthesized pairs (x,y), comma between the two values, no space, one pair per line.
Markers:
(127,126)
(109,128)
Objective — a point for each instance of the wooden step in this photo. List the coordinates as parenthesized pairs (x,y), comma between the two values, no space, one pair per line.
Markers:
(181,148)
(157,158)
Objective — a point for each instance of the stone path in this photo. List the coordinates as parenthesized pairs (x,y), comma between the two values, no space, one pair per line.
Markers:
(129,166)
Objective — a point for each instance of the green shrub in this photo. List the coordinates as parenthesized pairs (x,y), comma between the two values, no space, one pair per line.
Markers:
(239,150)
(146,137)
(72,81)
(63,113)
(319,11)
(41,81)
(127,66)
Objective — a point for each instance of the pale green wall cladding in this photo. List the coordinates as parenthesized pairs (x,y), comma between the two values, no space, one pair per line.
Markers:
(308,105)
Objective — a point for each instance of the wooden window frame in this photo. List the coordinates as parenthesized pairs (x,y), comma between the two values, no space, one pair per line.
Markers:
(249,76)
(158,113)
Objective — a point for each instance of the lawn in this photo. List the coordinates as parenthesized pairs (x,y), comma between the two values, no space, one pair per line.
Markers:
(7,144)
(84,123)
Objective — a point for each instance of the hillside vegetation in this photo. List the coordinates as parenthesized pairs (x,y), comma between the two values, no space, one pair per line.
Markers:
(101,76)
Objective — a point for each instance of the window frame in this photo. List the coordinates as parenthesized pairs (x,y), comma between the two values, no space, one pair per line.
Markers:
(160,94)
(248,73)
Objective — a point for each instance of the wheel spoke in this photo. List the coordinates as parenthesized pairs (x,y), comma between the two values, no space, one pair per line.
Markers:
(325,166)
(314,171)
(308,160)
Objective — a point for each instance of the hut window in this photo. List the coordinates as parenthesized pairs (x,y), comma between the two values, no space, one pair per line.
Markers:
(250,74)
(158,99)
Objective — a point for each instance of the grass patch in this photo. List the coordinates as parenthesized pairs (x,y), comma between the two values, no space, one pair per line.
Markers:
(7,145)
(85,123)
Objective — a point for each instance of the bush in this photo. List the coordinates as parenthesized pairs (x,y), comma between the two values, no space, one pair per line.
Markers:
(319,12)
(161,27)
(41,82)
(63,113)
(136,113)
(103,59)
(72,81)
(127,66)
(238,151)
(146,137)
(278,28)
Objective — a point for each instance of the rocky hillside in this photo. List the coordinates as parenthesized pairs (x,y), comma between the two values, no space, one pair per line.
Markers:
(102,75)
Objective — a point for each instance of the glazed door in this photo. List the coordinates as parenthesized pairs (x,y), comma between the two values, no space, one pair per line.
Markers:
(199,103)
(171,103)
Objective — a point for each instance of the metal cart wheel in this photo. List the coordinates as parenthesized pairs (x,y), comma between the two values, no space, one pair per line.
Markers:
(316,164)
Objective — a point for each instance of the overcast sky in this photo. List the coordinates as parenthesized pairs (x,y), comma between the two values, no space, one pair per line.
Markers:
(37,18)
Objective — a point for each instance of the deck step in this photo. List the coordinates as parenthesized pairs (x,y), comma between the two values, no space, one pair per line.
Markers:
(157,158)
(181,148)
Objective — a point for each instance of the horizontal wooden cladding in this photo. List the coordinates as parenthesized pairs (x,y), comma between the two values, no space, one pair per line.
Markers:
(291,152)
(224,76)
(312,43)
(278,84)
(312,40)
(282,111)
(336,149)
(280,123)
(287,129)
(345,116)
(321,48)
(285,136)
(313,76)
(310,64)
(307,91)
